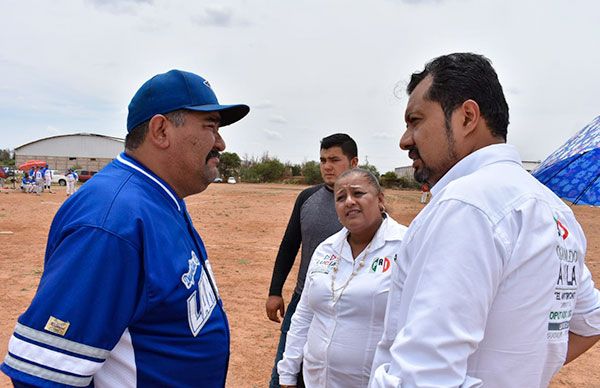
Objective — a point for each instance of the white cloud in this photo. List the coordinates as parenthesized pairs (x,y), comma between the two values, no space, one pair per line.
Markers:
(216,15)
(273,135)
(278,119)
(266,104)
(119,6)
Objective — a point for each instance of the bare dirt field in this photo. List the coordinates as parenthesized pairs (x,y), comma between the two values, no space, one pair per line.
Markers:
(242,226)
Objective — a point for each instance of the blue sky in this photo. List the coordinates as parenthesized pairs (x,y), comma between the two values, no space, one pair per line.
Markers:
(307,69)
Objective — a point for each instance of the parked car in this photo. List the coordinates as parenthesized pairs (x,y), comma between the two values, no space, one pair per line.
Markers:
(58,178)
(85,175)
(231,180)
(7,171)
(218,180)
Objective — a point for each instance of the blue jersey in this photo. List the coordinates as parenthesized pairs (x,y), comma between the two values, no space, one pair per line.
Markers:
(127,297)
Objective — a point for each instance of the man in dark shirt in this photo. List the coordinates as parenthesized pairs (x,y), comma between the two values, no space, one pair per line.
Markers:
(312,221)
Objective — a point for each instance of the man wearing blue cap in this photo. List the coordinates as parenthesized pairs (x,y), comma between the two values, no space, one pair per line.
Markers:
(128,297)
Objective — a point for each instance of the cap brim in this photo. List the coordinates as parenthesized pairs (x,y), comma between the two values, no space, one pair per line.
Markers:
(229,113)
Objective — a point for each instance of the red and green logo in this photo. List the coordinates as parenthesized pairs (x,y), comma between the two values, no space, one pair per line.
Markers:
(562,230)
(380,264)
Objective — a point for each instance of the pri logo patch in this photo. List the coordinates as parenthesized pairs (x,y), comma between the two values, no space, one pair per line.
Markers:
(380,265)
(562,230)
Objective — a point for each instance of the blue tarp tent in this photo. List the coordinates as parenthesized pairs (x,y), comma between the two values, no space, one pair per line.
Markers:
(573,170)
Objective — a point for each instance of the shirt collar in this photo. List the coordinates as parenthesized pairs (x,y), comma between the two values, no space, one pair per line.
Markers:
(476,160)
(137,166)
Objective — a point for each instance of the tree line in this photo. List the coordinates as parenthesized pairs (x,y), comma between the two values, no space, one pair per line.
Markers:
(7,157)
(270,169)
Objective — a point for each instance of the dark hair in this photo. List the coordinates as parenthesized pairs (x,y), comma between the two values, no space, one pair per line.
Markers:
(136,136)
(345,142)
(466,76)
(368,175)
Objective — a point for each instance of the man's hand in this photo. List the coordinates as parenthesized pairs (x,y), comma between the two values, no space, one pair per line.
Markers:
(275,303)
(578,345)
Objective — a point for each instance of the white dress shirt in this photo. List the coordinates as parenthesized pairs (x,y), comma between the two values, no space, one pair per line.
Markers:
(334,335)
(491,279)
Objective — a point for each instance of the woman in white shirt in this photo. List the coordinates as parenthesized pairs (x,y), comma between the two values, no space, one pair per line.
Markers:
(339,318)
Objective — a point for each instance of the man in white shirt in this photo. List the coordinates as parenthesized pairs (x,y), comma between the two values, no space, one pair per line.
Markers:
(491,288)
(39,181)
(48,179)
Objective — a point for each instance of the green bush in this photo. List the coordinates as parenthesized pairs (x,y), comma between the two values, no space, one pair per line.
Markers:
(311,171)
(268,169)
(294,180)
(295,169)
(408,183)
(229,164)
(370,167)
(389,180)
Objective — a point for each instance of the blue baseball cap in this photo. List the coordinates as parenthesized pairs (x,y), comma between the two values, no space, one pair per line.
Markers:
(176,90)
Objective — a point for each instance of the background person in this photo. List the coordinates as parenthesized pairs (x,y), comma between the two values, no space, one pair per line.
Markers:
(48,179)
(425,193)
(312,221)
(128,297)
(70,182)
(39,181)
(491,277)
(25,182)
(340,315)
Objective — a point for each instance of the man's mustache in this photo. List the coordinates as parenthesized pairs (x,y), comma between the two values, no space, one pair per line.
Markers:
(213,154)
(413,153)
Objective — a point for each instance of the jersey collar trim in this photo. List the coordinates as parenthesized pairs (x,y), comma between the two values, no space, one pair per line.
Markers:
(132,163)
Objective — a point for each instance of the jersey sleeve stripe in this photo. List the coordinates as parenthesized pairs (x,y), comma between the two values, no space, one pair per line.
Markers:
(51,358)
(61,343)
(46,374)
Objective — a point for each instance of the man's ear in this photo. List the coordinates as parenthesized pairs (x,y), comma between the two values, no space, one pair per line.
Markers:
(158,131)
(471,116)
(354,162)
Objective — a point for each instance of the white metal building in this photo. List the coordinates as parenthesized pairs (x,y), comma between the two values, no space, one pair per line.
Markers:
(408,171)
(86,151)
(404,172)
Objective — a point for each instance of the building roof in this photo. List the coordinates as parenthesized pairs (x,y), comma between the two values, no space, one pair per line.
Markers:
(72,135)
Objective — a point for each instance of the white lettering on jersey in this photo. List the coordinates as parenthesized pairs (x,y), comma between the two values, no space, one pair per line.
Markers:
(188,277)
(198,315)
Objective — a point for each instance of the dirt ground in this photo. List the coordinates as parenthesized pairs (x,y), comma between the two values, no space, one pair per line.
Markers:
(242,226)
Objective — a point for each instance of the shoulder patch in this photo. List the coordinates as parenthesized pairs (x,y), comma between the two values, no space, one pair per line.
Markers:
(56,326)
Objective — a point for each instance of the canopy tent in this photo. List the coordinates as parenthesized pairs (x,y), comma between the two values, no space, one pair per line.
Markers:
(573,170)
(32,163)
